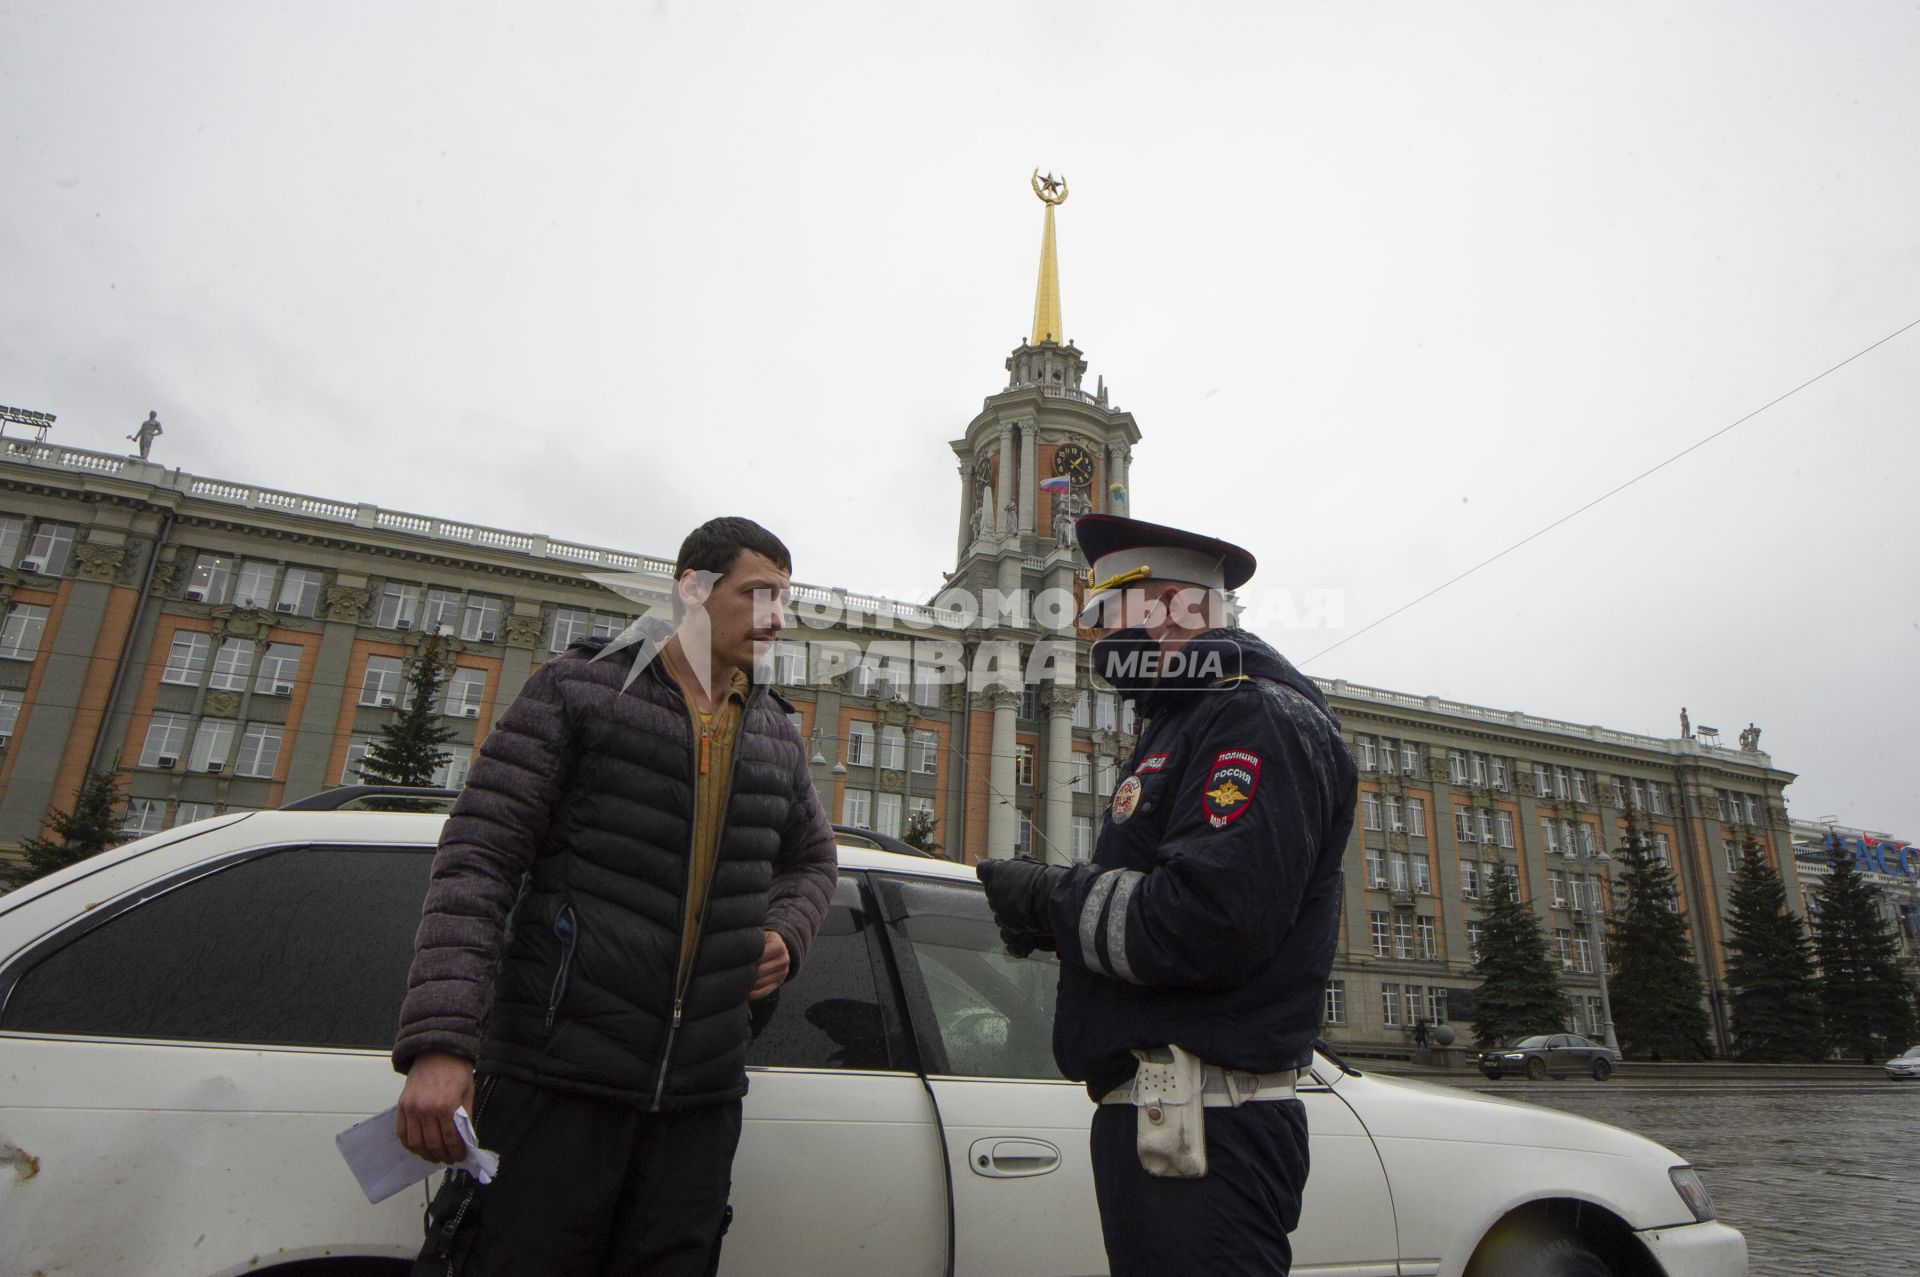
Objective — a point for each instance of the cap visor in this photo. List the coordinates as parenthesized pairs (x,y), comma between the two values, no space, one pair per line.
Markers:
(1096,603)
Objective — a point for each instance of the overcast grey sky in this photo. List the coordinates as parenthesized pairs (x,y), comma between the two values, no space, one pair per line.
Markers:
(1388,288)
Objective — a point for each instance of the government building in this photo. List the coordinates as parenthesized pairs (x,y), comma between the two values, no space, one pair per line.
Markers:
(228,646)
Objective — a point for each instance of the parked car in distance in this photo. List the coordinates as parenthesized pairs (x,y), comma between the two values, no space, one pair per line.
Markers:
(1549,1055)
(1905,1065)
(188,1020)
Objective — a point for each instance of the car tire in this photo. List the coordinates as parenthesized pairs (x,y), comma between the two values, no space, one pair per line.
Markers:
(1536,1069)
(1602,1069)
(1519,1255)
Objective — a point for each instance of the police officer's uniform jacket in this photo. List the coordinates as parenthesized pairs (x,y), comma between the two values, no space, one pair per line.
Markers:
(1207,916)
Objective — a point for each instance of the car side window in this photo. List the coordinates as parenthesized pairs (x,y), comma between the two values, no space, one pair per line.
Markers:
(829,1015)
(301,946)
(978,1012)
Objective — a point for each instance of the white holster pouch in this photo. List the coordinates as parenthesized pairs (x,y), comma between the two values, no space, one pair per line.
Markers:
(1167,1096)
(1171,1092)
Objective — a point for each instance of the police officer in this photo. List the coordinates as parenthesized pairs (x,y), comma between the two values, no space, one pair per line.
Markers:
(1194,949)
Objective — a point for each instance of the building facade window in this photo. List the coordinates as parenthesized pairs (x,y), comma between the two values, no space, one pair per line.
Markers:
(144,816)
(1470,879)
(279,670)
(1370,810)
(232,665)
(10,703)
(186,658)
(259,750)
(1336,1007)
(1425,933)
(299,593)
(399,607)
(1023,764)
(926,752)
(212,745)
(1390,1004)
(1416,818)
(1082,838)
(1376,867)
(357,748)
(1402,936)
(859,744)
(893,748)
(380,684)
(20,633)
(886,814)
(570,625)
(480,619)
(466,689)
(1422,876)
(254,586)
(452,772)
(52,548)
(1381,927)
(166,740)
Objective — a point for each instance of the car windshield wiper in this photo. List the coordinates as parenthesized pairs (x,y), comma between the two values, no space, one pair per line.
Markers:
(1320,1045)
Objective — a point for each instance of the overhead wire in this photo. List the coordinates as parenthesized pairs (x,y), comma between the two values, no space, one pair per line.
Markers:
(1612,492)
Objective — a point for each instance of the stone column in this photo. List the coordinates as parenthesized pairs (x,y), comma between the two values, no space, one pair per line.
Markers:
(330,688)
(1003,810)
(1059,817)
(967,499)
(1003,489)
(1029,476)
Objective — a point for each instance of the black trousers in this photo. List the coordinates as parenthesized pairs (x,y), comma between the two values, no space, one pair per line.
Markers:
(596,1188)
(1233,1222)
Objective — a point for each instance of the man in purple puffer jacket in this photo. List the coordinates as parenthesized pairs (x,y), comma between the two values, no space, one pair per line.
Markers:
(639,853)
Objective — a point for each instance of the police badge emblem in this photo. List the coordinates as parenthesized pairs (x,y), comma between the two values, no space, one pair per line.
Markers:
(1125,799)
(1230,785)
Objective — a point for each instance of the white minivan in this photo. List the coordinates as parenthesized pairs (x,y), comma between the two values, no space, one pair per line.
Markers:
(187,1021)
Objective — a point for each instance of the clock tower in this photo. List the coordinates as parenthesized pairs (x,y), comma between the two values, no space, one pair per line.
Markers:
(1041,451)
(1044,426)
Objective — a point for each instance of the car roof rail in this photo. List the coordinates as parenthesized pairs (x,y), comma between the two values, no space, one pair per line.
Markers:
(881,842)
(343,796)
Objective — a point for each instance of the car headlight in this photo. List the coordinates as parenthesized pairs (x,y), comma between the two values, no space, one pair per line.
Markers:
(1516,1055)
(1686,1182)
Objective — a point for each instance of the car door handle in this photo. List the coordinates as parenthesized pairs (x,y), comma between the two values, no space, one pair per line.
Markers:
(1004,1157)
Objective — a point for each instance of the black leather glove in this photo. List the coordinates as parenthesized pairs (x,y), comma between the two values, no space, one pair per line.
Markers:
(1017,892)
(1021,944)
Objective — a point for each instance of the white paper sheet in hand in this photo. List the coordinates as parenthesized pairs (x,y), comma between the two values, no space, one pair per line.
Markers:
(383,1165)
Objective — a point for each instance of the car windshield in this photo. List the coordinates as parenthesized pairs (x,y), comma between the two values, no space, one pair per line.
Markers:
(1911,1053)
(1522,1044)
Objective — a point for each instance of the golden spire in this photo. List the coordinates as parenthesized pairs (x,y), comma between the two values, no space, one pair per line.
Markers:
(1046,297)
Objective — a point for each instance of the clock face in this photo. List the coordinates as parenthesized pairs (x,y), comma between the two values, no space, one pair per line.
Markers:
(983,470)
(1076,463)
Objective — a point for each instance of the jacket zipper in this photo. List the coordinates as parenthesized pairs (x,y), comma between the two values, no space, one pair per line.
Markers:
(564,927)
(683,969)
(452,1227)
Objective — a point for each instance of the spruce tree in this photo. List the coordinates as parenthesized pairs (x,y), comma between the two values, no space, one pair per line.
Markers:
(1866,1005)
(91,827)
(1776,1004)
(919,831)
(1519,990)
(1656,991)
(408,751)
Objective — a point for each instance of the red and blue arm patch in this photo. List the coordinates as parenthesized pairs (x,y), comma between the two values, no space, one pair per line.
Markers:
(1231,783)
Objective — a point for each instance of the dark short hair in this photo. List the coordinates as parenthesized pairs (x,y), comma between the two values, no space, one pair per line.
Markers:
(715,544)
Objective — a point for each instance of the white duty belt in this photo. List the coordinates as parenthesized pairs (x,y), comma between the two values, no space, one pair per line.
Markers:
(1229,1088)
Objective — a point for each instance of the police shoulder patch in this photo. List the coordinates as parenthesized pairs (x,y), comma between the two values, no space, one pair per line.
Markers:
(1230,784)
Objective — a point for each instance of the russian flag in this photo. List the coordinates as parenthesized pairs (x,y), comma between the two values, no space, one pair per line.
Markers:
(1058,483)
